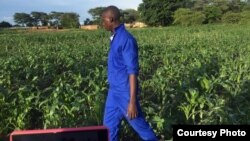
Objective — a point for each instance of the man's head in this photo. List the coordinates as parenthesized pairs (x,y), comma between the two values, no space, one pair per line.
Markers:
(111,18)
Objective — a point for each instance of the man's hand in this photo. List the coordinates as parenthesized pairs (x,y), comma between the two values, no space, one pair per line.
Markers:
(132,110)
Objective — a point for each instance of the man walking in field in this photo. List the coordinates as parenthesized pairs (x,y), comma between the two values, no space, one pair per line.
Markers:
(123,69)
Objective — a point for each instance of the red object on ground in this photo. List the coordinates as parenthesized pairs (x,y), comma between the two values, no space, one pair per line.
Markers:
(89,133)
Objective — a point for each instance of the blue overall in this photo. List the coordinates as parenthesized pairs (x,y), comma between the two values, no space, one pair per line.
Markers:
(123,61)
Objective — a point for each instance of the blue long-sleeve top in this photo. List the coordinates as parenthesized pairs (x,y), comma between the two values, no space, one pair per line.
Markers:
(122,59)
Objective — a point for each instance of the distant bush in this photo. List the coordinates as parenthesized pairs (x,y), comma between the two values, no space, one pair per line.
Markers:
(213,14)
(4,24)
(186,17)
(245,17)
(231,18)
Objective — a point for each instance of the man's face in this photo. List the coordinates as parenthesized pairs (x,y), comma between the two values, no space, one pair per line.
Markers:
(106,22)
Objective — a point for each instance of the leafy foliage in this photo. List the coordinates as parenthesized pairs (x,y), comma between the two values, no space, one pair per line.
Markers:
(40,18)
(231,18)
(23,19)
(187,17)
(130,15)
(70,20)
(96,14)
(158,12)
(5,24)
(192,75)
(245,17)
(213,14)
(162,12)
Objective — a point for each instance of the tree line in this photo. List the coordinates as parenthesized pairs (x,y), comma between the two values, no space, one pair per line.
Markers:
(188,12)
(65,20)
(151,12)
(54,19)
(127,15)
(182,12)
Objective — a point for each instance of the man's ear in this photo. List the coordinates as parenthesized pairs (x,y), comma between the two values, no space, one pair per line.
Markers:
(111,19)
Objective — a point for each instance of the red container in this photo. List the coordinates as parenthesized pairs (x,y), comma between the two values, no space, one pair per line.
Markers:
(90,133)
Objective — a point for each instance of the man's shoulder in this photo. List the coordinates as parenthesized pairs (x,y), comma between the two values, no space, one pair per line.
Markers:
(127,35)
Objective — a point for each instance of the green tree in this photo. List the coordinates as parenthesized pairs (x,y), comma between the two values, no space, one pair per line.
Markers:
(223,5)
(187,17)
(246,6)
(213,14)
(130,15)
(159,12)
(181,15)
(245,17)
(55,18)
(231,18)
(70,20)
(236,5)
(40,18)
(23,19)
(87,21)
(5,24)
(199,5)
(96,14)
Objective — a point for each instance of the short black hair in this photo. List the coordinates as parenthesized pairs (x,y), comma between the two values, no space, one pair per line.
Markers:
(114,11)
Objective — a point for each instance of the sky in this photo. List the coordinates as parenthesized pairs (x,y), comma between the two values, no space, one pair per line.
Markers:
(9,7)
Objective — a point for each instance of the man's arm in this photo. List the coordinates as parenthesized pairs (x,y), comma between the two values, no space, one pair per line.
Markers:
(132,108)
(130,56)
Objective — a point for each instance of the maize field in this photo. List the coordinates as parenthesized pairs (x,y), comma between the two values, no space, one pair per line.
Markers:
(188,75)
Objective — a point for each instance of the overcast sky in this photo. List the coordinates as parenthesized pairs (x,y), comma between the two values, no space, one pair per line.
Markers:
(9,7)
